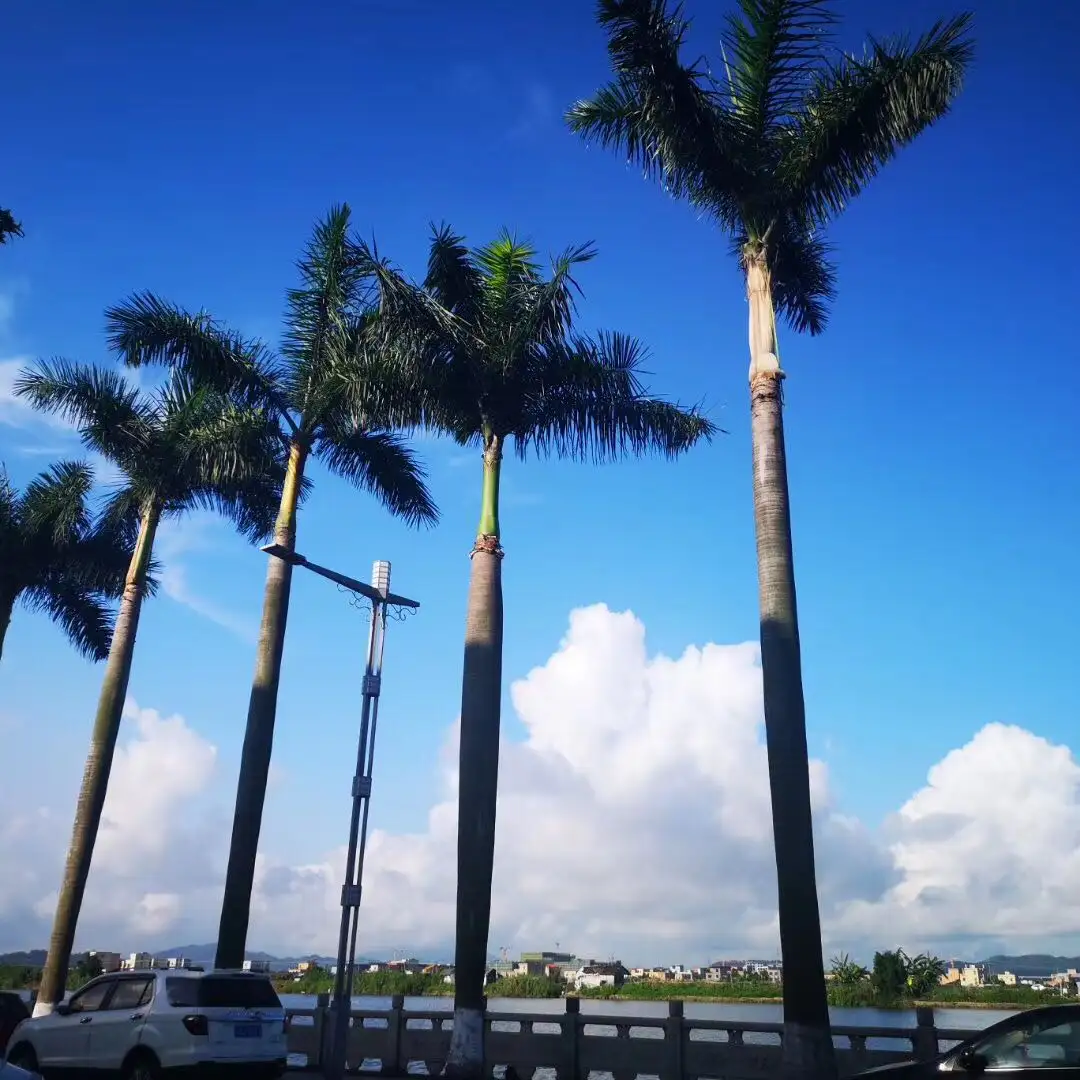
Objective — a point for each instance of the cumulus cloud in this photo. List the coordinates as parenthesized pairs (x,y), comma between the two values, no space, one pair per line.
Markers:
(633,819)
(154,859)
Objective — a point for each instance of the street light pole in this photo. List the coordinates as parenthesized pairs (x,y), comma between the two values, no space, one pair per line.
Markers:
(380,598)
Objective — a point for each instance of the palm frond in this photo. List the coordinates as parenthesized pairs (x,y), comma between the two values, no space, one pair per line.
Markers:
(119,516)
(54,502)
(9,227)
(112,417)
(375,382)
(411,324)
(228,459)
(511,276)
(334,285)
(78,611)
(382,464)
(552,308)
(251,505)
(453,279)
(860,112)
(102,558)
(666,116)
(589,405)
(146,330)
(803,274)
(9,504)
(775,48)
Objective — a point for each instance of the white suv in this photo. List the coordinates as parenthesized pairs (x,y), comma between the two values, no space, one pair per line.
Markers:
(143,1024)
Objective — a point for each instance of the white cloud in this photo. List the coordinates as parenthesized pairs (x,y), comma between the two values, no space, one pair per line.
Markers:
(14,411)
(176,538)
(151,868)
(164,766)
(634,818)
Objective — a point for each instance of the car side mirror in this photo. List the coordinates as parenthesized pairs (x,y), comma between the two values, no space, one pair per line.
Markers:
(62,1010)
(970,1060)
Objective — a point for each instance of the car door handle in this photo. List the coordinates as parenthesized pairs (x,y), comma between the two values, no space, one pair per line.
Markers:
(135,1016)
(86,1020)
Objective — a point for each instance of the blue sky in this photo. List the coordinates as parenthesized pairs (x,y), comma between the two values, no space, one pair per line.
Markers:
(932,434)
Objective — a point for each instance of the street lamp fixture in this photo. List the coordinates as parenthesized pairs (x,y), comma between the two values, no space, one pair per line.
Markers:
(380,598)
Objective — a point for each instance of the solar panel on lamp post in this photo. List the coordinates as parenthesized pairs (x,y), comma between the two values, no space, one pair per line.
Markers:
(380,598)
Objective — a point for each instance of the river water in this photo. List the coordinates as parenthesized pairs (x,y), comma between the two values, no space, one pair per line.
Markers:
(965,1019)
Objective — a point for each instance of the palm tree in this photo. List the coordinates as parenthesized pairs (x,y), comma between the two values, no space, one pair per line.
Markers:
(181,447)
(773,153)
(324,334)
(57,559)
(846,972)
(499,363)
(9,227)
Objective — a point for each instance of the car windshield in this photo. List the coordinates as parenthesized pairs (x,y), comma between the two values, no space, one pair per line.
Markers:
(222,992)
(1036,1042)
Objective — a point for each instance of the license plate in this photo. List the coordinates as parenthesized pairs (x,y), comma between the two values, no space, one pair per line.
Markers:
(248,1031)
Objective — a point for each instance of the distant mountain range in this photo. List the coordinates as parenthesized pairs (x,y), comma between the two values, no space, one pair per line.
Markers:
(1032,964)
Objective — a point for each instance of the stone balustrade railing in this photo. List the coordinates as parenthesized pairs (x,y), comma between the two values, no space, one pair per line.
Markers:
(571,1045)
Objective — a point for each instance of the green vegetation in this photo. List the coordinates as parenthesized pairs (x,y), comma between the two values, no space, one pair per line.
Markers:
(58,559)
(318,980)
(745,990)
(898,981)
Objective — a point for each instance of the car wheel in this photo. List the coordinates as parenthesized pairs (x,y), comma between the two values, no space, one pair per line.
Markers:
(142,1067)
(23,1057)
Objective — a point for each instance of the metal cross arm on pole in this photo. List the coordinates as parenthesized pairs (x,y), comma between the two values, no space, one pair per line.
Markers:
(380,597)
(279,551)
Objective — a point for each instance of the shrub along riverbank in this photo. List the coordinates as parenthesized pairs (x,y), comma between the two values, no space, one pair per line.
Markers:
(741,991)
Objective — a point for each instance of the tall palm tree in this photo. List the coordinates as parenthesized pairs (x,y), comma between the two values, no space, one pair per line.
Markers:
(773,153)
(178,448)
(323,337)
(499,363)
(57,559)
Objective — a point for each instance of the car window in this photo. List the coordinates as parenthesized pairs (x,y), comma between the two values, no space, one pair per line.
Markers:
(222,992)
(131,994)
(1033,1047)
(92,998)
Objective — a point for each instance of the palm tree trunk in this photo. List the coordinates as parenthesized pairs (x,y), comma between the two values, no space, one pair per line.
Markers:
(95,781)
(478,778)
(7,605)
(808,1049)
(259,735)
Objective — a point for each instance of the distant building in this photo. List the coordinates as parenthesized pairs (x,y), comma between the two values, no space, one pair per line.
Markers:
(544,963)
(109,961)
(595,975)
(1006,977)
(966,975)
(181,963)
(137,961)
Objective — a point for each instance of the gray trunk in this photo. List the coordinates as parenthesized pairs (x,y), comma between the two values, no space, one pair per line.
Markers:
(95,780)
(808,1050)
(478,782)
(259,733)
